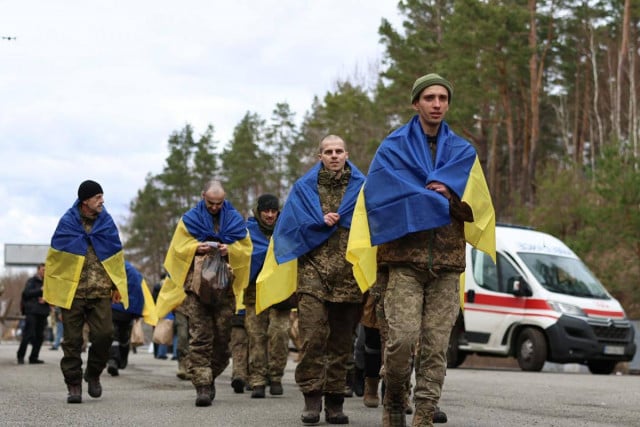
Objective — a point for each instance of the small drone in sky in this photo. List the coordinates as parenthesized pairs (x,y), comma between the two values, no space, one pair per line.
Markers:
(8,38)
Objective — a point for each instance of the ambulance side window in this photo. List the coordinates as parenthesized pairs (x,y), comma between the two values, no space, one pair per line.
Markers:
(485,273)
(507,271)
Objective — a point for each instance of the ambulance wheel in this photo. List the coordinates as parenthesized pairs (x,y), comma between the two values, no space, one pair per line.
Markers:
(455,357)
(601,367)
(531,350)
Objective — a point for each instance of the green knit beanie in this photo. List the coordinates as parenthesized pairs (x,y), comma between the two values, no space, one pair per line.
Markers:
(429,80)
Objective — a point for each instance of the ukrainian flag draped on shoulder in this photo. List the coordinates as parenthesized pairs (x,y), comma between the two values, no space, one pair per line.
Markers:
(66,256)
(260,244)
(140,299)
(197,226)
(395,201)
(300,229)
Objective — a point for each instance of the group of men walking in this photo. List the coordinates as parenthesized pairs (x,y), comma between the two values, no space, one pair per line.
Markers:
(403,227)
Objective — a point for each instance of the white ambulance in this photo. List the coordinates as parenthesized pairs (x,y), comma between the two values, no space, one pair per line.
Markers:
(540,303)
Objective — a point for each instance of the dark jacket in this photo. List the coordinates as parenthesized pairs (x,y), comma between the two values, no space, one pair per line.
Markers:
(32,291)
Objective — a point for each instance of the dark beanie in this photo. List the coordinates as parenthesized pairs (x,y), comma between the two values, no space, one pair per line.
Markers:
(429,80)
(268,201)
(88,189)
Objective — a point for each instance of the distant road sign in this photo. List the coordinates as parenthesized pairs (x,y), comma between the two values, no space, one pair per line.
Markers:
(22,255)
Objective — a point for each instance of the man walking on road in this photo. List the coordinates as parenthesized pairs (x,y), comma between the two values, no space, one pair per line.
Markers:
(84,274)
(36,312)
(424,195)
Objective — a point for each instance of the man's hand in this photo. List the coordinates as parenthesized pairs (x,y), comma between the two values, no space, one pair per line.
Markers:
(439,187)
(115,296)
(331,219)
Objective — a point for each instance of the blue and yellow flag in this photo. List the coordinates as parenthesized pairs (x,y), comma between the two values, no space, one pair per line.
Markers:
(170,296)
(66,256)
(197,226)
(395,201)
(260,244)
(300,229)
(140,299)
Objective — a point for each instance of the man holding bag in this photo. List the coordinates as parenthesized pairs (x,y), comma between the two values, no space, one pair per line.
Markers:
(213,228)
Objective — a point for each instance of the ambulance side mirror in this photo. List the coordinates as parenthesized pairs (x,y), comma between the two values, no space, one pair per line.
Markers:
(519,287)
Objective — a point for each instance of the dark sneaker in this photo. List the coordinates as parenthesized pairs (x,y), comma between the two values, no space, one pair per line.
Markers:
(275,389)
(36,362)
(20,361)
(75,393)
(258,392)
(112,368)
(238,385)
(95,388)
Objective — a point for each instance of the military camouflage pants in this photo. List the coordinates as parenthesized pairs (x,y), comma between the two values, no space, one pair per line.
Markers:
(181,329)
(268,344)
(326,331)
(209,336)
(95,312)
(239,349)
(418,308)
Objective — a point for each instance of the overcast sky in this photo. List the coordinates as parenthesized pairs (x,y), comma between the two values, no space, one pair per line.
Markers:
(93,89)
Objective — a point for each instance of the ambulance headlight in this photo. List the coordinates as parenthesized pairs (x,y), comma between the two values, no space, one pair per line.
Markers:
(564,308)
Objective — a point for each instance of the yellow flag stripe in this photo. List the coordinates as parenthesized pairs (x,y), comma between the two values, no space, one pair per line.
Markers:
(114,265)
(149,308)
(276,282)
(360,253)
(62,275)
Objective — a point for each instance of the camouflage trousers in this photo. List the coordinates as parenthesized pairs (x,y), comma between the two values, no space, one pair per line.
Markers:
(96,313)
(326,331)
(419,308)
(209,336)
(181,329)
(268,344)
(239,349)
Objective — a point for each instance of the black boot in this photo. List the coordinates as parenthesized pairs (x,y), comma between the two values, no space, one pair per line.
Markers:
(112,367)
(95,388)
(312,407)
(75,393)
(203,397)
(333,409)
(439,417)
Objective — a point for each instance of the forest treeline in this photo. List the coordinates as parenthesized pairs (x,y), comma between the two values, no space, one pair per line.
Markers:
(547,91)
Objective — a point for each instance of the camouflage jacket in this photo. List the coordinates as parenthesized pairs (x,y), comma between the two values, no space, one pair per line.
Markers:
(324,272)
(435,250)
(94,280)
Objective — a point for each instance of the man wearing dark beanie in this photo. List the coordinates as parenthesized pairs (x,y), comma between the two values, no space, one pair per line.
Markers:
(88,189)
(86,274)
(425,196)
(268,331)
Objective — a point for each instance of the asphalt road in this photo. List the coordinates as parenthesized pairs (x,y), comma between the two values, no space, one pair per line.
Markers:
(148,393)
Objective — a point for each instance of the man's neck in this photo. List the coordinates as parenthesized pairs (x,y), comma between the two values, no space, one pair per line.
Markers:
(87,213)
(429,129)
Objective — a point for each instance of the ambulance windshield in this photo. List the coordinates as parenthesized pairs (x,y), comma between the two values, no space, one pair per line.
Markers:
(564,275)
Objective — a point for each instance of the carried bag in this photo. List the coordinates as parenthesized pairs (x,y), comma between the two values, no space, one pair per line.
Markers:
(163,332)
(137,334)
(212,277)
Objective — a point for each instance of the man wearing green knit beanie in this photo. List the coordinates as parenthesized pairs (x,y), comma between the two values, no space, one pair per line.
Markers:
(420,240)
(429,80)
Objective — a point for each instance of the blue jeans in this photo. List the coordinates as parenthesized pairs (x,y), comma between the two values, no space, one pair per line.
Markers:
(58,337)
(162,351)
